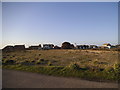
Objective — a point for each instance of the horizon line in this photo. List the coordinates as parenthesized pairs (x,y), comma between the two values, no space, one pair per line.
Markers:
(52,43)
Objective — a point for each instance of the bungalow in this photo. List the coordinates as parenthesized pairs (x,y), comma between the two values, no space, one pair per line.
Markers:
(57,47)
(19,47)
(117,46)
(107,45)
(48,46)
(35,47)
(82,46)
(8,49)
(93,46)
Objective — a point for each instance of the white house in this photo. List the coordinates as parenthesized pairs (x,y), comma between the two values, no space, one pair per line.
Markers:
(107,45)
(48,46)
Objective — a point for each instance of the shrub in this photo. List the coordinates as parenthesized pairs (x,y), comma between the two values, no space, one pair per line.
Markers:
(110,69)
(39,54)
(38,62)
(25,62)
(42,60)
(117,68)
(32,61)
(117,71)
(96,62)
(96,68)
(49,63)
(101,69)
(74,66)
(9,62)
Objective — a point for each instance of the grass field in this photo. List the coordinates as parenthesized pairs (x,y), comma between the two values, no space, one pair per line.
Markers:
(87,64)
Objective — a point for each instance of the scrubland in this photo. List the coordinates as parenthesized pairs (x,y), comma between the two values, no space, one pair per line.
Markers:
(99,65)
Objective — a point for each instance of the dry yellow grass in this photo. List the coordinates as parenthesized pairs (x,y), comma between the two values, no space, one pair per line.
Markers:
(88,64)
(65,57)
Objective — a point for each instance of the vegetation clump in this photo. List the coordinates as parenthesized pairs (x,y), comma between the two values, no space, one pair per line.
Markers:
(74,66)
(49,63)
(117,68)
(10,62)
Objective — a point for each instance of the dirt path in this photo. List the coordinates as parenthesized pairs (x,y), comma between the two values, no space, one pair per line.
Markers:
(19,79)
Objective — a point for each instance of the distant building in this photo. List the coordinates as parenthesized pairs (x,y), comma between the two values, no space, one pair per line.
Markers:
(8,49)
(82,47)
(48,46)
(107,45)
(93,46)
(57,47)
(35,47)
(27,48)
(19,47)
(113,46)
(117,46)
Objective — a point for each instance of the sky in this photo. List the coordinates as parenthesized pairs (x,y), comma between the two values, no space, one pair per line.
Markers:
(0,42)
(33,23)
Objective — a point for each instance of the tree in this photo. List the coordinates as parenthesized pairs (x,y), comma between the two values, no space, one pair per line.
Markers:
(72,46)
(67,45)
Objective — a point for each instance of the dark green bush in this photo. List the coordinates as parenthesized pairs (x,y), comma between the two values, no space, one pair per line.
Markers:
(9,62)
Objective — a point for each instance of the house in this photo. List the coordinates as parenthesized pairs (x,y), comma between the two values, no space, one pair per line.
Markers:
(117,46)
(93,46)
(8,49)
(82,47)
(48,46)
(19,47)
(113,46)
(35,47)
(107,45)
(57,47)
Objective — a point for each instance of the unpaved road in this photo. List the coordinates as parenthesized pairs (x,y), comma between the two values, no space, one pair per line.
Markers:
(20,79)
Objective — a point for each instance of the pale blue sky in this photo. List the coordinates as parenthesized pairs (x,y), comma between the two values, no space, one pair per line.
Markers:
(81,23)
(0,25)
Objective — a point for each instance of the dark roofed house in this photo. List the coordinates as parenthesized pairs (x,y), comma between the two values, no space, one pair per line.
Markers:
(8,49)
(93,46)
(118,46)
(35,47)
(57,47)
(19,47)
(82,46)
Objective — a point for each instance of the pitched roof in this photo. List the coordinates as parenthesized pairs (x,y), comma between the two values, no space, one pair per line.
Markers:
(107,44)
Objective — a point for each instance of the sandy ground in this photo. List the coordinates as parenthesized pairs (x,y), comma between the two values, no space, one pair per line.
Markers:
(20,79)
